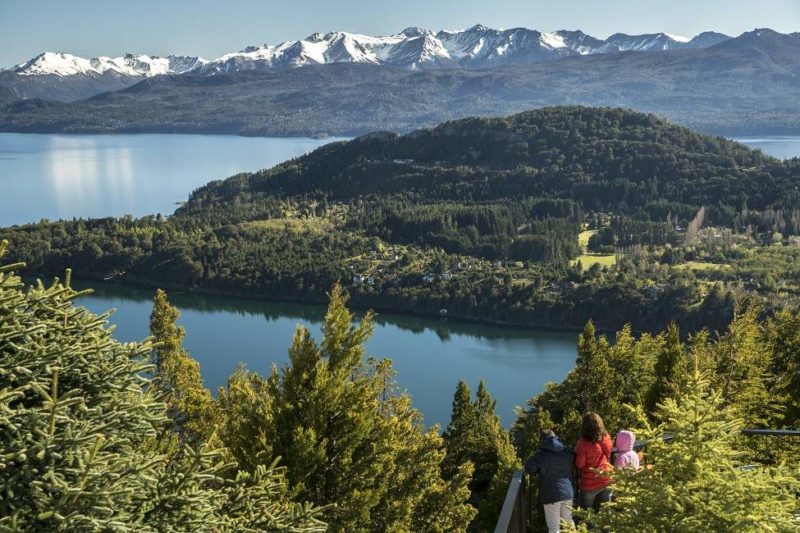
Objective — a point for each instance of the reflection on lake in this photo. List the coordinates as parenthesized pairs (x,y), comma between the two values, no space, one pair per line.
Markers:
(76,166)
(66,176)
(429,355)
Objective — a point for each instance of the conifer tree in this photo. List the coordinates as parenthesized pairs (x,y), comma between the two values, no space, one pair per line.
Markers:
(475,436)
(742,361)
(532,419)
(347,438)
(462,423)
(606,376)
(77,423)
(670,370)
(696,481)
(592,382)
(189,403)
(783,337)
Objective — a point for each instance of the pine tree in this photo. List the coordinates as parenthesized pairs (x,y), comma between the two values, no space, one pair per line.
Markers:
(346,437)
(632,364)
(77,424)
(592,380)
(670,370)
(462,423)
(535,417)
(782,334)
(697,481)
(742,361)
(475,436)
(189,403)
(605,378)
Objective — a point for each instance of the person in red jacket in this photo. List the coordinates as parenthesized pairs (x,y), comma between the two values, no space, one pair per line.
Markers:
(592,458)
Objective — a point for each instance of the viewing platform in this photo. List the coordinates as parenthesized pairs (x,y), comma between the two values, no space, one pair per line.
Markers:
(516,515)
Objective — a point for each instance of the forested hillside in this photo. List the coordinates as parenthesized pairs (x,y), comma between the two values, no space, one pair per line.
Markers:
(98,433)
(550,217)
(600,159)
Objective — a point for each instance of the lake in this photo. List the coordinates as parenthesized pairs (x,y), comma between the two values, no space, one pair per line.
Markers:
(66,176)
(782,147)
(430,355)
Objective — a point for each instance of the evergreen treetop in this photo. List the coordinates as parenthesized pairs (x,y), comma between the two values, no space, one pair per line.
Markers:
(348,439)
(697,479)
(79,426)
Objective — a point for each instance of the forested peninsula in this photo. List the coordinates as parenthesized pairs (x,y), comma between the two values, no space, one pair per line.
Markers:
(545,218)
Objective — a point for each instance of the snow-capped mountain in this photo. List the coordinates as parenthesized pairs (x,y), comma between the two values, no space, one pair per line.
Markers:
(416,48)
(65,77)
(663,41)
(62,64)
(62,76)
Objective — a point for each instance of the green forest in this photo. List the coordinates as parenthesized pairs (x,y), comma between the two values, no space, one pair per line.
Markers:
(676,254)
(98,435)
(546,218)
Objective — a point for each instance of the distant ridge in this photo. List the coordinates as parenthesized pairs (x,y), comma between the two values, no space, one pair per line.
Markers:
(413,47)
(65,77)
(749,84)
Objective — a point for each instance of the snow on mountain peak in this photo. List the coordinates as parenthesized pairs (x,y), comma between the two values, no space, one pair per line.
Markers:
(678,38)
(414,47)
(58,63)
(553,40)
(63,64)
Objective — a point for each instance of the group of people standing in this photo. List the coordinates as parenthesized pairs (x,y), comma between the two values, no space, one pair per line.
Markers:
(554,463)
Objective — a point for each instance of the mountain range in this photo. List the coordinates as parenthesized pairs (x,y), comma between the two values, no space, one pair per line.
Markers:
(65,77)
(744,85)
(416,48)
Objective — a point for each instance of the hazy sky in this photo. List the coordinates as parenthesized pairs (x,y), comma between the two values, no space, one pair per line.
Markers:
(211,28)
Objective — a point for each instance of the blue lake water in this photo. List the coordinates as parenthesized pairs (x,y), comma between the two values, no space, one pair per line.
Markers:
(65,176)
(430,355)
(782,147)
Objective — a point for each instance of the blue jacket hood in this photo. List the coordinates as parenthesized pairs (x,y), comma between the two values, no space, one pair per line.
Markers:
(552,444)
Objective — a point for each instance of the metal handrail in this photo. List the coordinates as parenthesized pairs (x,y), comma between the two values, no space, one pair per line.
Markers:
(515,513)
(771,432)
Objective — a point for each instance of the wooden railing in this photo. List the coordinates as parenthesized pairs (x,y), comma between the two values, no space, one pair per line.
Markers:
(516,513)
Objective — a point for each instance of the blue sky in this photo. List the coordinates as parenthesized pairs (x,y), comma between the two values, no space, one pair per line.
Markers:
(211,28)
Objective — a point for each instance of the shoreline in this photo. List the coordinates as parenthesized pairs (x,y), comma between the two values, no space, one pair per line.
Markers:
(736,134)
(354,304)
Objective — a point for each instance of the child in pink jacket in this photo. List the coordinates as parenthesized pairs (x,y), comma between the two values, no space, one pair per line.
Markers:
(626,456)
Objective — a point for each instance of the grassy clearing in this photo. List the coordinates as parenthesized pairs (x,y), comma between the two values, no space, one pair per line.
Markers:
(299,225)
(701,265)
(584,236)
(587,260)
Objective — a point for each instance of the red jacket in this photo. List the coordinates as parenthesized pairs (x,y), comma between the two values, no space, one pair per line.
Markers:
(590,456)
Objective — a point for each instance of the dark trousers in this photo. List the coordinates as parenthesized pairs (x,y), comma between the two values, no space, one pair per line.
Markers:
(593,499)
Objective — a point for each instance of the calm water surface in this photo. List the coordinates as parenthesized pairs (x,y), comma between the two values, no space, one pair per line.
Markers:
(66,176)
(430,355)
(782,147)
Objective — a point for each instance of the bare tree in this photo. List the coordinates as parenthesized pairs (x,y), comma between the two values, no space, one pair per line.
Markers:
(694,226)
